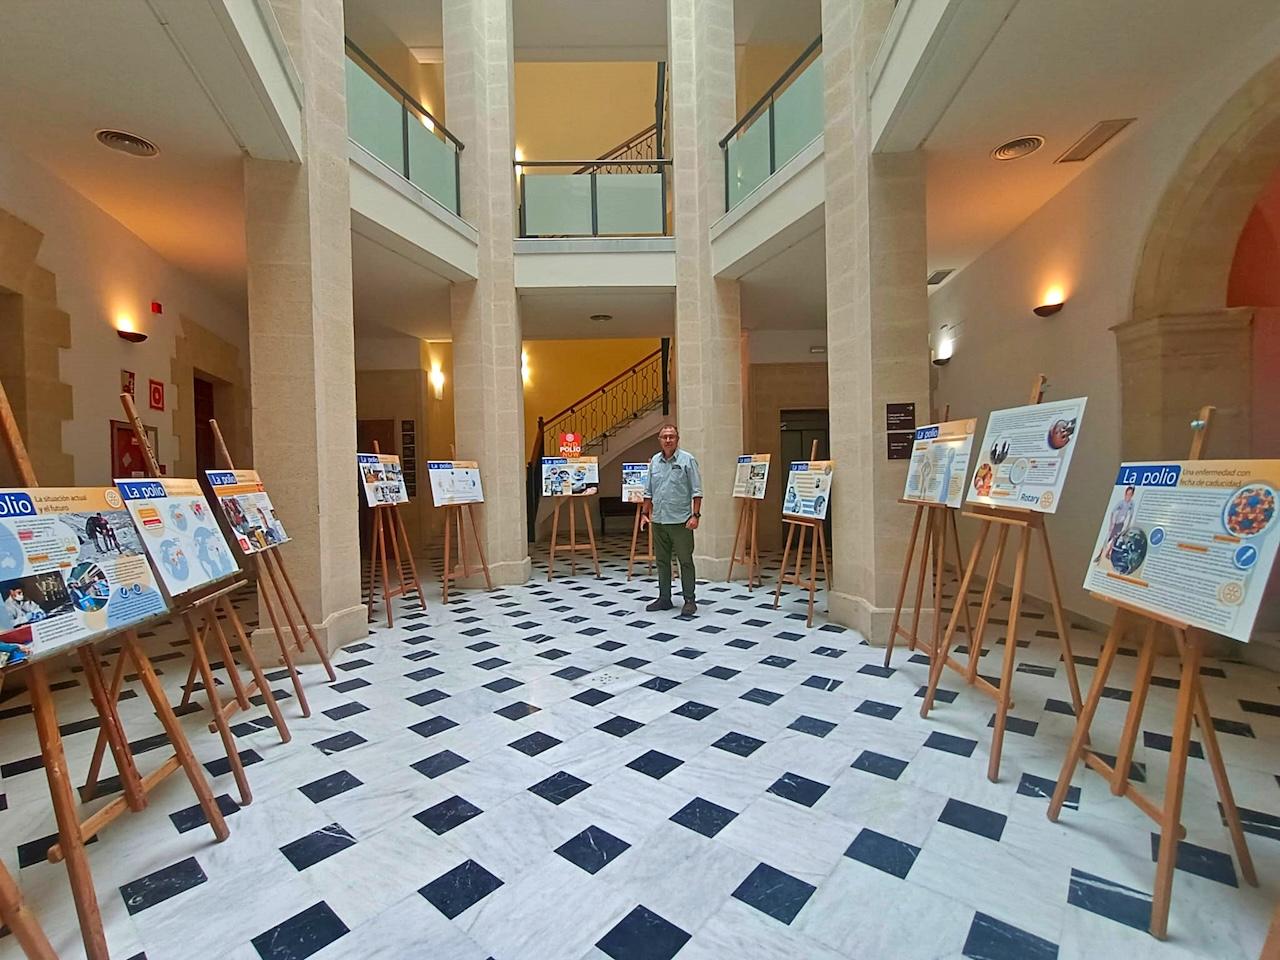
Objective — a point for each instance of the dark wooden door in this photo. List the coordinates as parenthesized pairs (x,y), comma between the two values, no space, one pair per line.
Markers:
(206,456)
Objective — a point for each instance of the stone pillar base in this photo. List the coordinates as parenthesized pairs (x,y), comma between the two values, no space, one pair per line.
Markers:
(870,621)
(712,568)
(338,629)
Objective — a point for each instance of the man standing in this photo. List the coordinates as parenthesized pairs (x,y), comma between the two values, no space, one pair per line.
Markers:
(673,504)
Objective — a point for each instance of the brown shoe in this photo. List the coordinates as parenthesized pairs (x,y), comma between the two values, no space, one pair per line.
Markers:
(662,603)
(689,609)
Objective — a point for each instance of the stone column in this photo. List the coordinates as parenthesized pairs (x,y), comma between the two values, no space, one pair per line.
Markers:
(708,367)
(302,349)
(877,320)
(488,392)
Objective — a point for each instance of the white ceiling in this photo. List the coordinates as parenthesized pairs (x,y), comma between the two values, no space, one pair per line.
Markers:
(1055,69)
(82,66)
(565,314)
(788,292)
(393,294)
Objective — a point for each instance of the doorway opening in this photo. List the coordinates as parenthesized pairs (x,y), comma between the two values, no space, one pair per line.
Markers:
(206,409)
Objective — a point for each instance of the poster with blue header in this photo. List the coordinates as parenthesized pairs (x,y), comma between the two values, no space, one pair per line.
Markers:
(179,532)
(72,568)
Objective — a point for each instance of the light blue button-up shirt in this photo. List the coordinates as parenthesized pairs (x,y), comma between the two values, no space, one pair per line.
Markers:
(672,485)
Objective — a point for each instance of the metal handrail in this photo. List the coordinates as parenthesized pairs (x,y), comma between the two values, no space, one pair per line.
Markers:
(592,163)
(614,155)
(773,89)
(408,98)
(603,387)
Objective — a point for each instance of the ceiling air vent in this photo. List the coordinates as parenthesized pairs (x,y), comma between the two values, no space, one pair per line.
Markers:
(1093,141)
(128,143)
(1017,148)
(938,276)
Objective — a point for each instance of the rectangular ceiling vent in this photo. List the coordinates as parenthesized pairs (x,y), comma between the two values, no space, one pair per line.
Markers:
(938,276)
(1094,140)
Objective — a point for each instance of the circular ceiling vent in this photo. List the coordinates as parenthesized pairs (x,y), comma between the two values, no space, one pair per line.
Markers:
(602,317)
(1017,148)
(128,143)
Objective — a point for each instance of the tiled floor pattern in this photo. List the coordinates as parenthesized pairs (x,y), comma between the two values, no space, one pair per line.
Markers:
(549,772)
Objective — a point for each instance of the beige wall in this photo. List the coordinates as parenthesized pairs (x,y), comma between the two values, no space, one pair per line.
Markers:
(772,388)
(424,80)
(580,111)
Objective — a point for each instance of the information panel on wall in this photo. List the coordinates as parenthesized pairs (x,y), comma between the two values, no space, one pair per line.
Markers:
(635,477)
(454,482)
(382,478)
(751,476)
(179,532)
(808,489)
(570,476)
(248,509)
(72,567)
(1025,455)
(940,462)
(1193,541)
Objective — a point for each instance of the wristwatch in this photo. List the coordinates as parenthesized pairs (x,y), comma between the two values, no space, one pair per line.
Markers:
(697,516)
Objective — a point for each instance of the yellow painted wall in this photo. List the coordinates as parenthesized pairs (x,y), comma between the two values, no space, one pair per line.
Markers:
(424,80)
(580,111)
(759,65)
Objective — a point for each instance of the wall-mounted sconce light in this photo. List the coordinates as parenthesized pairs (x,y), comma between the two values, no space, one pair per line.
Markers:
(524,367)
(437,382)
(519,158)
(946,346)
(125,329)
(1054,298)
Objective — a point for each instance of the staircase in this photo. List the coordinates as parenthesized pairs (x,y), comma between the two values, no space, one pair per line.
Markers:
(611,408)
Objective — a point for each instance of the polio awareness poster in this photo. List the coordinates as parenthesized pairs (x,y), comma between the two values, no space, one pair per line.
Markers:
(248,509)
(1025,454)
(940,462)
(635,477)
(71,568)
(570,476)
(751,476)
(179,532)
(808,489)
(382,478)
(454,482)
(1192,540)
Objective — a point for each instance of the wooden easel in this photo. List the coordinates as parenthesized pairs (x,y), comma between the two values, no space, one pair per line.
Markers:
(817,552)
(648,556)
(388,526)
(452,527)
(573,547)
(1191,702)
(17,916)
(1028,523)
(940,530)
(72,834)
(746,550)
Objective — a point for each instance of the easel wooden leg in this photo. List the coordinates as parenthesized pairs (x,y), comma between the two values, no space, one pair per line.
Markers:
(215,705)
(273,559)
(822,557)
(408,553)
(286,657)
(189,687)
(737,541)
(1010,656)
(591,535)
(19,918)
(753,577)
(475,532)
(964,597)
(64,811)
(813,576)
(264,686)
(229,661)
(112,731)
(1060,617)
(939,657)
(395,551)
(573,540)
(652,556)
(902,587)
(555,536)
(988,597)
(635,538)
(462,548)
(782,571)
(939,555)
(90,788)
(446,577)
(1133,716)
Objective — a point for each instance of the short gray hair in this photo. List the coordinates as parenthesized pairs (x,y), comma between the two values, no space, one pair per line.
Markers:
(669,426)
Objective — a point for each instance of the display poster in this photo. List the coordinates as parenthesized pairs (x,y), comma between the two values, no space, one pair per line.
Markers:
(72,568)
(382,478)
(454,482)
(570,444)
(179,532)
(248,509)
(940,462)
(808,489)
(635,477)
(1193,541)
(570,476)
(1025,455)
(751,476)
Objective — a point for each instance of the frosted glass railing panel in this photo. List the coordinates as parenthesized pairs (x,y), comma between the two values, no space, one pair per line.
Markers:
(629,203)
(557,205)
(798,114)
(374,118)
(432,164)
(748,159)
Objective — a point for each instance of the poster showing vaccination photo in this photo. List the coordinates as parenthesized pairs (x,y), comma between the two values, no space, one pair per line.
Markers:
(635,477)
(940,462)
(808,489)
(248,509)
(382,478)
(1025,455)
(751,476)
(1193,541)
(179,532)
(71,568)
(454,482)
(570,476)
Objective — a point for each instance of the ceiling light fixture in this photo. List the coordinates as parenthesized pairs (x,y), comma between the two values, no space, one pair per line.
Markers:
(1094,140)
(1017,148)
(130,143)
(602,317)
(818,348)
(938,276)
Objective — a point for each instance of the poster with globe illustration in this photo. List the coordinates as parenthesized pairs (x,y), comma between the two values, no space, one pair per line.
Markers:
(1193,541)
(179,532)
(72,568)
(1025,455)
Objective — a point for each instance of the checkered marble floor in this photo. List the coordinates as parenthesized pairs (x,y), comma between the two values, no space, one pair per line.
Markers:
(549,772)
